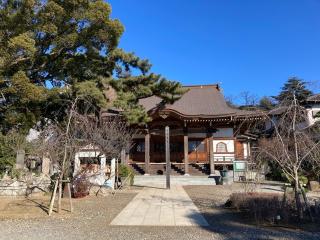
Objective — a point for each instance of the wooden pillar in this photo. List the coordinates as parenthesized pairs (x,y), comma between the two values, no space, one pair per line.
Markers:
(211,154)
(147,152)
(186,151)
(168,163)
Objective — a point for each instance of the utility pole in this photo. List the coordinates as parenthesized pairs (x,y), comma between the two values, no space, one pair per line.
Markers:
(168,164)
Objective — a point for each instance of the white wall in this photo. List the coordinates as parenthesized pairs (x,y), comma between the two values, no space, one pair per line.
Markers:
(220,157)
(224,157)
(245,149)
(78,155)
(229,143)
(311,112)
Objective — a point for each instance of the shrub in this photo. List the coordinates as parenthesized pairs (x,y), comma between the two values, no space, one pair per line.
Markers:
(53,178)
(7,156)
(16,173)
(80,186)
(125,171)
(6,165)
(262,207)
(275,173)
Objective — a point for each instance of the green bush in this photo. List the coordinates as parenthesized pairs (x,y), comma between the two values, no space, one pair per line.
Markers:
(16,173)
(303,180)
(7,156)
(9,145)
(6,165)
(125,171)
(275,173)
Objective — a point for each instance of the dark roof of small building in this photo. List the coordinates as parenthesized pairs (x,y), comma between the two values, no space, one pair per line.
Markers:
(314,98)
(278,110)
(197,101)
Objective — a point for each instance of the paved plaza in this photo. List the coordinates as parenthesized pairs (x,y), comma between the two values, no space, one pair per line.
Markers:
(155,206)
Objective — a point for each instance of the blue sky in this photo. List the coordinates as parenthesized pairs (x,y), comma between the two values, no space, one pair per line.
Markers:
(246,45)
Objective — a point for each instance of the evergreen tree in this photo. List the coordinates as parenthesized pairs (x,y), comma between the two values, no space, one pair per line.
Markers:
(266,103)
(293,86)
(56,50)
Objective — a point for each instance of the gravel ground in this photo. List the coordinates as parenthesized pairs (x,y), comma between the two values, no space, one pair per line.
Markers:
(210,201)
(90,220)
(92,216)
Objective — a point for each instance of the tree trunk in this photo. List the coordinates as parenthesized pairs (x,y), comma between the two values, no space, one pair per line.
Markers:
(306,202)
(284,199)
(297,196)
(59,195)
(70,196)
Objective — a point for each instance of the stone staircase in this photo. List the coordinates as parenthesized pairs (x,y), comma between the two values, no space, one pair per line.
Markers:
(160,181)
(199,169)
(137,168)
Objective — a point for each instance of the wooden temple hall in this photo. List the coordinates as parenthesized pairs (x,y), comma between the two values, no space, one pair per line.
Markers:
(205,134)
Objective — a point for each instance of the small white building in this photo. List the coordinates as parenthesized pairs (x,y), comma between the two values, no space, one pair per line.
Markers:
(313,108)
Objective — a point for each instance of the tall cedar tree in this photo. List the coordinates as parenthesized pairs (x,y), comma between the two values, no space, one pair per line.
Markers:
(53,51)
(293,87)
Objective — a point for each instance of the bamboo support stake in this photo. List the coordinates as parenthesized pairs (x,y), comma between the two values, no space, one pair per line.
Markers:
(53,196)
(65,153)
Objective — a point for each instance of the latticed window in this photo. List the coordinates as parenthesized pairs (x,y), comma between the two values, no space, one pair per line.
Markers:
(140,147)
(221,147)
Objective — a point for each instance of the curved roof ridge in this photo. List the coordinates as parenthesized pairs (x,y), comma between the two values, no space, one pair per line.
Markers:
(215,85)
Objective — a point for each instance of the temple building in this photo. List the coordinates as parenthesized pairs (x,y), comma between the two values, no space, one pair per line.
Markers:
(206,134)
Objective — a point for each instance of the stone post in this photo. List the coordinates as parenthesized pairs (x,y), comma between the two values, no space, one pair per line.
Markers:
(76,164)
(20,159)
(123,156)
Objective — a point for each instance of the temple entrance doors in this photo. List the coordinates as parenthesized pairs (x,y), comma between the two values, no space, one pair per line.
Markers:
(157,154)
(197,150)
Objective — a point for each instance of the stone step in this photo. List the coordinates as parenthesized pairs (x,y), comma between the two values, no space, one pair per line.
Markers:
(160,180)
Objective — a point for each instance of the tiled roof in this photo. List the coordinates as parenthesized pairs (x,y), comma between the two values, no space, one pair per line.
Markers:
(198,101)
(314,98)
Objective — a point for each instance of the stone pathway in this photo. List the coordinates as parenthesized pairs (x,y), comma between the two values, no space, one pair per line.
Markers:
(161,207)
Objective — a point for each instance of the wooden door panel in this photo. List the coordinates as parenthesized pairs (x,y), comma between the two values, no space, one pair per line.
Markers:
(197,150)
(192,157)
(202,156)
(239,150)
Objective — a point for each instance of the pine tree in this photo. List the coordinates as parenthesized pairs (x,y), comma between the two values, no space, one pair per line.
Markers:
(294,86)
(54,51)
